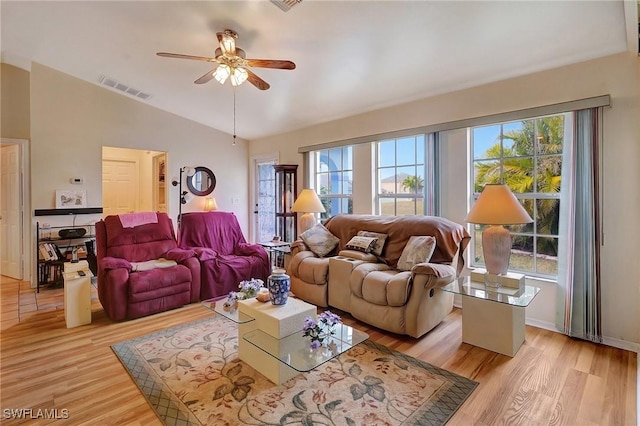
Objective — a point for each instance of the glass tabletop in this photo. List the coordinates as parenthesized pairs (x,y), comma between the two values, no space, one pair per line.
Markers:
(511,296)
(295,350)
(217,305)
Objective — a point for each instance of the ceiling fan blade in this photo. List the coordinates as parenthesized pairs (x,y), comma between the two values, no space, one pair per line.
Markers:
(179,56)
(205,78)
(271,63)
(257,81)
(227,40)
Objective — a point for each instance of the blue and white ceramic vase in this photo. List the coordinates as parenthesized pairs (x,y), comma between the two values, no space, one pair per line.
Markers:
(279,285)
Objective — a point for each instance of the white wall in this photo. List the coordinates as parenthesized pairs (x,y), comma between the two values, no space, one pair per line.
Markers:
(617,75)
(71,120)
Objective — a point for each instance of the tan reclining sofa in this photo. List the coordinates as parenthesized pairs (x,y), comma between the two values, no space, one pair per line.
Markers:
(370,286)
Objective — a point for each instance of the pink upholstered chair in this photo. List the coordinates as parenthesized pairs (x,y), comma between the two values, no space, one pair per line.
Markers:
(141,271)
(225,256)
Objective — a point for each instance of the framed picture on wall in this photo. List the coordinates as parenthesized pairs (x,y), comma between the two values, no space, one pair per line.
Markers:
(66,199)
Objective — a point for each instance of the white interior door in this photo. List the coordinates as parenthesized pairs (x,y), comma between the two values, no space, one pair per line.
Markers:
(263,198)
(10,212)
(120,187)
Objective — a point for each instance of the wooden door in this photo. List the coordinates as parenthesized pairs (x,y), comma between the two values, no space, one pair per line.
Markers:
(120,187)
(10,212)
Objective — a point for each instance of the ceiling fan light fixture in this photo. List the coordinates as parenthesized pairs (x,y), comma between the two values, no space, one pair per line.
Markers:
(222,73)
(238,76)
(228,43)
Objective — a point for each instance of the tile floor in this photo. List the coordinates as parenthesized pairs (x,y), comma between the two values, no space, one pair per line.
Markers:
(18,300)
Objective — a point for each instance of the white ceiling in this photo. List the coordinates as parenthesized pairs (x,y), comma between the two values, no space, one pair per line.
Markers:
(351,56)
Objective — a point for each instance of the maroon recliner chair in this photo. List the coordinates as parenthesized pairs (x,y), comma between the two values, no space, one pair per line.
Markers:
(225,256)
(141,270)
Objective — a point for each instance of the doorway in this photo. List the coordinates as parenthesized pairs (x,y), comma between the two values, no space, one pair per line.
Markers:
(133,180)
(14,226)
(263,197)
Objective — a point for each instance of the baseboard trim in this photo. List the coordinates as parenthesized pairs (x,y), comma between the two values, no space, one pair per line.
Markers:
(609,341)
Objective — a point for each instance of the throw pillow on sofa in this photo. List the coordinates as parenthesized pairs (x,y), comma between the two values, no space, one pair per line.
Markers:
(319,240)
(363,244)
(419,249)
(380,240)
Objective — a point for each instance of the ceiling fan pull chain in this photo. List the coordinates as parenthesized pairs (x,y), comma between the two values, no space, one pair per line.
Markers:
(234,116)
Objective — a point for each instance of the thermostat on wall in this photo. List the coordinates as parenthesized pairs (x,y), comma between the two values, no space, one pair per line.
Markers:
(77,181)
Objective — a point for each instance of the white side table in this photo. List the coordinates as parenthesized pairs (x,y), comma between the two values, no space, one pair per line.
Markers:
(77,293)
(493,318)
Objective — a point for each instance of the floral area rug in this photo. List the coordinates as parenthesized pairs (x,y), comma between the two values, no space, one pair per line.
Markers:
(191,374)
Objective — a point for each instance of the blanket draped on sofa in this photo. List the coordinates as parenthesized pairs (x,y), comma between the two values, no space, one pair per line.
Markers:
(225,256)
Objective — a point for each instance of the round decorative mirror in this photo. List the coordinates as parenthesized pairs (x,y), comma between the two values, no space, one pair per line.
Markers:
(202,182)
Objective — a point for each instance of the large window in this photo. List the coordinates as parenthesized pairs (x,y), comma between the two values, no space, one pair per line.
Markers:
(402,176)
(334,179)
(527,156)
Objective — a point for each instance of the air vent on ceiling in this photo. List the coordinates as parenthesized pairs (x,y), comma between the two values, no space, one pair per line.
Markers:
(285,5)
(116,85)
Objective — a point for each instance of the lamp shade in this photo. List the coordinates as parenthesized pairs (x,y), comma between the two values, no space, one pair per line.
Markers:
(210,204)
(497,205)
(308,202)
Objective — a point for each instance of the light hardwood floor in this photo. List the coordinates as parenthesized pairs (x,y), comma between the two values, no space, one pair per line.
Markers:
(553,380)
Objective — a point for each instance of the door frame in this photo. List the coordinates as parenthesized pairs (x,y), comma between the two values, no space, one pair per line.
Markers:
(253,178)
(25,194)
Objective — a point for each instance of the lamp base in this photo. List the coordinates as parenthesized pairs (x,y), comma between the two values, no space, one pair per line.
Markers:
(496,249)
(307,221)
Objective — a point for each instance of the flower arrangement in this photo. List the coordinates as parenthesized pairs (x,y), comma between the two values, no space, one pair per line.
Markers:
(247,290)
(321,329)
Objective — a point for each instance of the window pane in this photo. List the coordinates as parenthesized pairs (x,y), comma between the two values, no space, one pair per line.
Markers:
(550,135)
(486,142)
(387,206)
(335,186)
(406,151)
(548,174)
(486,172)
(420,147)
(335,159)
(522,254)
(518,174)
(521,136)
(347,158)
(386,154)
(387,181)
(477,247)
(347,205)
(547,260)
(405,206)
(406,179)
(547,216)
(347,183)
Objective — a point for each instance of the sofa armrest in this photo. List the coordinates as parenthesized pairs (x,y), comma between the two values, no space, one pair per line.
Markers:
(107,263)
(297,246)
(442,274)
(180,255)
(358,255)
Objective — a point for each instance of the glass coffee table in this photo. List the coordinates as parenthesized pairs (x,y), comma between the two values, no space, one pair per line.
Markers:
(271,338)
(493,318)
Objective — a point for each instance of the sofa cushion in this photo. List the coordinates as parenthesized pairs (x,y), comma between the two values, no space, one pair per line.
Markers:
(310,269)
(319,240)
(419,249)
(363,244)
(380,240)
(384,287)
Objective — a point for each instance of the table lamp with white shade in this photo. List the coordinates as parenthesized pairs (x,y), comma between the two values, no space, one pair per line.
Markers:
(210,204)
(497,206)
(308,203)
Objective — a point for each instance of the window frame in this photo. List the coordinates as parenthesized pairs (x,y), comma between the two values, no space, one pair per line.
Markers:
(533,195)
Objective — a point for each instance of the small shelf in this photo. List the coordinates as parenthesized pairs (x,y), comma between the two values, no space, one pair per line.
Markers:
(65,212)
(50,259)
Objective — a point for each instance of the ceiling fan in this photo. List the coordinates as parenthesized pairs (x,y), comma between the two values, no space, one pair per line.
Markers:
(232,63)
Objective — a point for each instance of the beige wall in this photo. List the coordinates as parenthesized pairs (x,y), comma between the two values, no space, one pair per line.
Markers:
(14,115)
(617,75)
(71,120)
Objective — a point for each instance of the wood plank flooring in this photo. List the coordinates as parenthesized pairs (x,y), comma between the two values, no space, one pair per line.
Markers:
(553,380)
